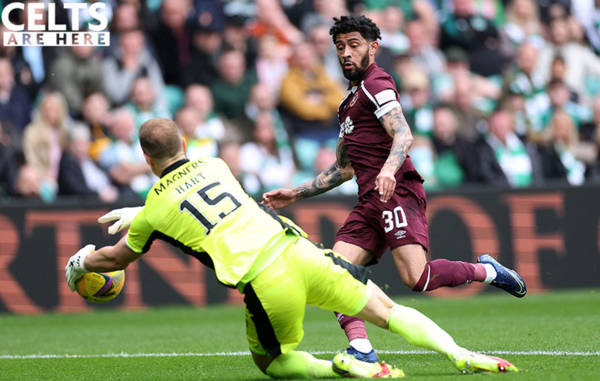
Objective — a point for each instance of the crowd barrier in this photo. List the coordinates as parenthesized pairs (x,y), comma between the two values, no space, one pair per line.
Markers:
(551,236)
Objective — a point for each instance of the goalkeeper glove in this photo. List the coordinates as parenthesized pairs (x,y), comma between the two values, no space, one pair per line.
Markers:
(75,267)
(124,216)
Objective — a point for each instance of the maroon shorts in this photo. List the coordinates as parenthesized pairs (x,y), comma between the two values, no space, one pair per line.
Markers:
(374,225)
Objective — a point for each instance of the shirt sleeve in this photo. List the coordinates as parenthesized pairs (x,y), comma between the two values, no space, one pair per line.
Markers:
(140,234)
(382,93)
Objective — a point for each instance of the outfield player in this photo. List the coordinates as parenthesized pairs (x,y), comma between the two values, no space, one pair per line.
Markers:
(199,207)
(373,145)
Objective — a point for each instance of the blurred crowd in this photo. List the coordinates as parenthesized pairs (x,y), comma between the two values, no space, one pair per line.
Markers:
(499,92)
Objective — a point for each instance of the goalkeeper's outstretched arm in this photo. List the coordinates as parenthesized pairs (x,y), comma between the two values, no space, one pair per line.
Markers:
(108,258)
(111,258)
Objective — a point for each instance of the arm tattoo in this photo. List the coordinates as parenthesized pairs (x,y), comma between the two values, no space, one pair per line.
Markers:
(395,124)
(336,174)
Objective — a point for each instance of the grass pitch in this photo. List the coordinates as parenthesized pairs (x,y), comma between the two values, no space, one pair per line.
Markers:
(554,336)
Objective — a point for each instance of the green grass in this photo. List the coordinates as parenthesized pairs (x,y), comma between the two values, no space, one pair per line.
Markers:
(567,321)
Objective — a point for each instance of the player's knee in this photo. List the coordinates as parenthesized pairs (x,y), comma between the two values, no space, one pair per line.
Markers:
(411,281)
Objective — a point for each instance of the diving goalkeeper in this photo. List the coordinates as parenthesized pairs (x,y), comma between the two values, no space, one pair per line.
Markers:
(199,207)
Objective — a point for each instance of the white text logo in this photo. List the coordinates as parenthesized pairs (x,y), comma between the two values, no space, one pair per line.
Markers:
(40,27)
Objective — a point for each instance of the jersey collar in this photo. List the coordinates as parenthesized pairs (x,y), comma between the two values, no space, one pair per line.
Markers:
(173,166)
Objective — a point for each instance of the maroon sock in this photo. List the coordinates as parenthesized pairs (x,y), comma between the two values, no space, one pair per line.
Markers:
(445,273)
(352,326)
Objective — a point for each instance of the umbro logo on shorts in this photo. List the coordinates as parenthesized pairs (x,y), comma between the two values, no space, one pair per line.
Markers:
(400,234)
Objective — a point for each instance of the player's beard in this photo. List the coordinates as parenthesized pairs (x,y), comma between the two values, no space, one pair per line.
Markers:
(357,71)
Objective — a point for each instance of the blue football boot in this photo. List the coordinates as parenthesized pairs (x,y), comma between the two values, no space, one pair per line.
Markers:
(506,279)
(366,357)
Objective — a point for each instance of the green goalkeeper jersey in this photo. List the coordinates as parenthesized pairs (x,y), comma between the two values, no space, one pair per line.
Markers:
(201,208)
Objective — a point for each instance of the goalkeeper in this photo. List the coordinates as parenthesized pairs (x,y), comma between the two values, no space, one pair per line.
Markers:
(199,207)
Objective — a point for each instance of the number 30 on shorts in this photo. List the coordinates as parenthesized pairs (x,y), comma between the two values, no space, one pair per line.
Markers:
(393,218)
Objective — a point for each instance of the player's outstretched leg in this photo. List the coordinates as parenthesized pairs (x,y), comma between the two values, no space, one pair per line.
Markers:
(418,329)
(506,279)
(356,332)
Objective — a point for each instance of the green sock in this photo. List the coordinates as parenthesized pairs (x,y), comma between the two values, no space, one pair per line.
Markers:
(297,364)
(418,329)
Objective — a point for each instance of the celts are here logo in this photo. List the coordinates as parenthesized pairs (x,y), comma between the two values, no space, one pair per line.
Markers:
(36,24)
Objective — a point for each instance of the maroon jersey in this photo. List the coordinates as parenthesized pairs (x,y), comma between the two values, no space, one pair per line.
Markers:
(366,141)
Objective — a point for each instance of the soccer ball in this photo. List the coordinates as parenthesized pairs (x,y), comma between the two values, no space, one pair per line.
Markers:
(100,287)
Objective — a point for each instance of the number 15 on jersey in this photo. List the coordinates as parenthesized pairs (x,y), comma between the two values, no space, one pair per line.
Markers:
(207,210)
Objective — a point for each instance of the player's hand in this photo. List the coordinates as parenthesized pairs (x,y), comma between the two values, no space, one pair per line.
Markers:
(123,216)
(279,198)
(75,266)
(385,184)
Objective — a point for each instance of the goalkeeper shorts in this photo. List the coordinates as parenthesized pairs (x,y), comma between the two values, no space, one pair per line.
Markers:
(304,274)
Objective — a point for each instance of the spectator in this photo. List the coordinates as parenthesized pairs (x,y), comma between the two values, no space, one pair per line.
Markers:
(172,40)
(521,78)
(426,56)
(559,155)
(321,40)
(476,35)
(457,67)
(588,14)
(263,157)
(128,15)
(523,24)
(28,183)
(514,103)
(15,107)
(206,47)
(580,60)
(130,62)
(229,151)
(210,126)
(271,63)
(78,175)
(94,112)
(144,103)
(188,122)
(77,72)
(559,96)
(8,161)
(44,141)
(123,158)
(504,159)
(23,74)
(418,111)
(262,99)
(323,13)
(471,119)
(270,19)
(310,96)
(423,158)
(39,60)
(231,90)
(391,25)
(237,36)
(456,161)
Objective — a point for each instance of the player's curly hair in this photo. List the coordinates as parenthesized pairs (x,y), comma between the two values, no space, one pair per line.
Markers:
(361,24)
